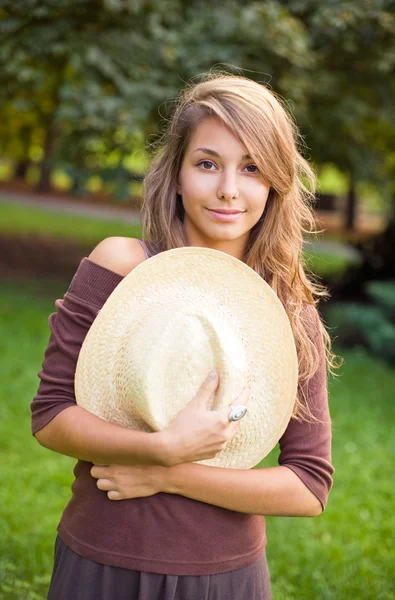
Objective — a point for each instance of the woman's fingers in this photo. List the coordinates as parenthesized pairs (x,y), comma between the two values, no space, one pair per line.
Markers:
(113,495)
(208,387)
(197,432)
(100,471)
(105,484)
(241,400)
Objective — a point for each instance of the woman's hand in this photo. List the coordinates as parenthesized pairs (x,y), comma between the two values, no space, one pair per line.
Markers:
(126,481)
(197,433)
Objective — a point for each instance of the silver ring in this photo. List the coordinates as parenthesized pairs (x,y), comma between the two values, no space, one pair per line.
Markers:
(237,413)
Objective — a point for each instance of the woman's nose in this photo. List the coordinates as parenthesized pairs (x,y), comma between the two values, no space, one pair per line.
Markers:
(228,188)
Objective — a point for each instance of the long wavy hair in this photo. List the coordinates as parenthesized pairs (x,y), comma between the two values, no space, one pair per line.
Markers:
(258,119)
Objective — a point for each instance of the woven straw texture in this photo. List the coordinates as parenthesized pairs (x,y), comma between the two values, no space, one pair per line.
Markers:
(172,320)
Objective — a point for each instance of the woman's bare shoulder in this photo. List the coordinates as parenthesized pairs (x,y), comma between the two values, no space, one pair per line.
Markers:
(118,254)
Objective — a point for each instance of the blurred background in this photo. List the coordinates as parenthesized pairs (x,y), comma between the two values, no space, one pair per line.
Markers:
(84,87)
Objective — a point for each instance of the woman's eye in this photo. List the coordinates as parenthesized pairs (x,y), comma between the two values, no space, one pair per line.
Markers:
(206,165)
(252,169)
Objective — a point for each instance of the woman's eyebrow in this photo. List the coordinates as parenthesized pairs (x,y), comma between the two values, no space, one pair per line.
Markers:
(214,153)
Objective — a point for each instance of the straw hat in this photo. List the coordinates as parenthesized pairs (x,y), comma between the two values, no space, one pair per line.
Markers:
(173,319)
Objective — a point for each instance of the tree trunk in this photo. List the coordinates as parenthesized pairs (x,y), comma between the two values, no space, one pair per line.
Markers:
(44,183)
(351,205)
(21,169)
(23,164)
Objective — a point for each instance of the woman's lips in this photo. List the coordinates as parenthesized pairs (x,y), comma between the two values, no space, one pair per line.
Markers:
(225,218)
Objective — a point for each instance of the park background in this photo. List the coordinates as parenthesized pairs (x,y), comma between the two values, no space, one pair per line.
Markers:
(84,85)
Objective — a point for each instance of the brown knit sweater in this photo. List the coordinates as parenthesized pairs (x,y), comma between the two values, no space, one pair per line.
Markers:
(163,533)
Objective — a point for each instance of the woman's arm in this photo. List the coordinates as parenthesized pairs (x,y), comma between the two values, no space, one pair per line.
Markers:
(276,491)
(196,433)
(76,432)
(272,491)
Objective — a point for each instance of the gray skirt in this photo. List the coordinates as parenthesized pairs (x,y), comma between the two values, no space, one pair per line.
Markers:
(77,578)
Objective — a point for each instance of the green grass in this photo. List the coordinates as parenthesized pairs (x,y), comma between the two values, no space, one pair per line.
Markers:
(90,231)
(348,551)
(345,553)
(34,482)
(36,221)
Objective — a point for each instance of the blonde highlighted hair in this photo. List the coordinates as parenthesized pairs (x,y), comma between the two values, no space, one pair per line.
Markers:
(257,118)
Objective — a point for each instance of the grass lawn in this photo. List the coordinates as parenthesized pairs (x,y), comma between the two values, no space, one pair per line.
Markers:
(90,231)
(346,553)
(20,219)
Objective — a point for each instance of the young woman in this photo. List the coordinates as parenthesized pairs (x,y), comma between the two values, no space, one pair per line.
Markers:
(152,524)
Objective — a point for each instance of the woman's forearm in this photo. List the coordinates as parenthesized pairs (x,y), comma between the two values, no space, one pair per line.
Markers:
(80,434)
(276,491)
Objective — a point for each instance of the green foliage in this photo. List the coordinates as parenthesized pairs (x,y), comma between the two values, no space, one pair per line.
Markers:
(325,264)
(84,79)
(372,326)
(332,181)
(74,78)
(347,552)
(383,292)
(381,339)
(351,112)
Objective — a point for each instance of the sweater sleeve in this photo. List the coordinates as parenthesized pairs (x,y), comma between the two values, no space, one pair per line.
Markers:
(75,313)
(305,447)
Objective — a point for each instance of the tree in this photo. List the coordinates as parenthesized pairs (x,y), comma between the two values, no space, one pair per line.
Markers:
(83,79)
(88,75)
(350,101)
(78,68)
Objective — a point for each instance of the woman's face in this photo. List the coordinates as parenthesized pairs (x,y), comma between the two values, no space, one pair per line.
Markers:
(218,174)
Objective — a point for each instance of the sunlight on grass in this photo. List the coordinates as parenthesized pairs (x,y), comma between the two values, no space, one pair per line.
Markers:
(36,221)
